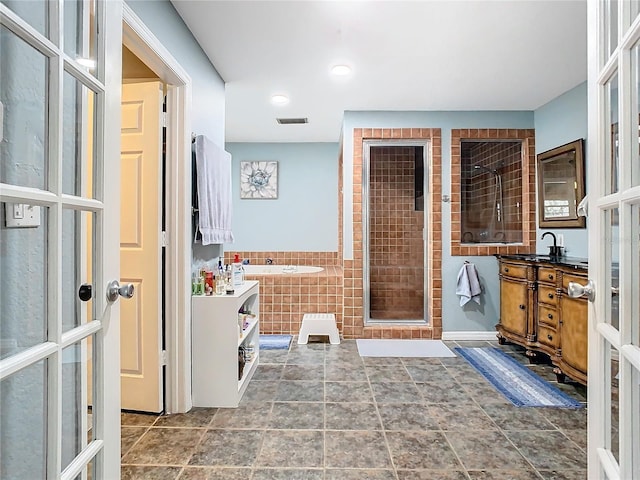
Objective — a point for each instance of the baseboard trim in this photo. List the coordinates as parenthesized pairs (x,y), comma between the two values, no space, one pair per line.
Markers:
(480,336)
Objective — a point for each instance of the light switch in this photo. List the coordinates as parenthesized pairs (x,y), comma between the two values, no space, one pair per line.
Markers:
(18,211)
(20,215)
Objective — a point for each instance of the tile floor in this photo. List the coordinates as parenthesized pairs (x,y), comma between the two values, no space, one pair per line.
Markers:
(319,411)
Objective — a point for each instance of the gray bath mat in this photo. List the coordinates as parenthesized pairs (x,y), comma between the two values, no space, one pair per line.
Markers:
(403,348)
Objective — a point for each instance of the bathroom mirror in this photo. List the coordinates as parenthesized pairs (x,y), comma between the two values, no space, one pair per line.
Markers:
(561,186)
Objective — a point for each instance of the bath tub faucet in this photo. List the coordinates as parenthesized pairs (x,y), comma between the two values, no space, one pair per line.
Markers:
(269,261)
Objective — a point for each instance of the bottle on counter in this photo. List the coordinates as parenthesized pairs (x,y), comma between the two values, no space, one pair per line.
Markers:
(229,290)
(220,286)
(237,272)
(208,283)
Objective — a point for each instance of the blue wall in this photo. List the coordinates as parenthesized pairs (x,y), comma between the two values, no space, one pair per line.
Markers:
(563,120)
(304,217)
(471,317)
(207,110)
(207,87)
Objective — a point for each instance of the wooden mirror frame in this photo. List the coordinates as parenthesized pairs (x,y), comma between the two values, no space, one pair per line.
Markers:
(573,150)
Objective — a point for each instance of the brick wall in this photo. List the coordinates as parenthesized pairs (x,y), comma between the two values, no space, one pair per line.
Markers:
(512,182)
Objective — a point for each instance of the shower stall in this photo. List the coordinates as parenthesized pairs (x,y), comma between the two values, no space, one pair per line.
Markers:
(393,201)
(491,191)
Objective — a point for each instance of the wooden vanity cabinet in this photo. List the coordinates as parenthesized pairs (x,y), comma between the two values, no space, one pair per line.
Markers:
(537,313)
(574,330)
(517,281)
(547,316)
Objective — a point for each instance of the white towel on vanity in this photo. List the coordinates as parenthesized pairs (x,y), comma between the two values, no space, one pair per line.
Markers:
(468,286)
(213,166)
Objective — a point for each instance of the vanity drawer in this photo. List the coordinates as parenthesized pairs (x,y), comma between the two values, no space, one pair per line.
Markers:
(547,275)
(514,270)
(548,316)
(569,277)
(548,336)
(547,295)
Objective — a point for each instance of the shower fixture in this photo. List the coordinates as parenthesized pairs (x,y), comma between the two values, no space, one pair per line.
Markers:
(497,192)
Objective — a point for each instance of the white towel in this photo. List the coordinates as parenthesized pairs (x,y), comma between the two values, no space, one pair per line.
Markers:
(213,166)
(468,286)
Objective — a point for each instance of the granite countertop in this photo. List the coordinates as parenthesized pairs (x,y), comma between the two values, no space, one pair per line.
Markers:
(572,262)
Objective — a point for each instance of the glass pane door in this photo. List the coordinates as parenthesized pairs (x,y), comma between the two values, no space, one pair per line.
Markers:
(393,195)
(614,241)
(54,316)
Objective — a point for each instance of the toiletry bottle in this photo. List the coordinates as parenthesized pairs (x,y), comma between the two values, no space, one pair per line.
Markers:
(208,283)
(236,271)
(194,283)
(220,284)
(229,290)
(220,268)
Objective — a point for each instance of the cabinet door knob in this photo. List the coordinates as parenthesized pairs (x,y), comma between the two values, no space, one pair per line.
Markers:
(550,295)
(506,269)
(550,316)
(550,337)
(550,276)
(521,307)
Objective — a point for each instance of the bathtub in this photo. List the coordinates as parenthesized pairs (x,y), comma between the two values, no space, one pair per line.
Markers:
(279,269)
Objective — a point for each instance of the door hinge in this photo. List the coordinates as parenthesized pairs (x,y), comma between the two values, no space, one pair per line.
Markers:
(163,239)
(164,119)
(164,358)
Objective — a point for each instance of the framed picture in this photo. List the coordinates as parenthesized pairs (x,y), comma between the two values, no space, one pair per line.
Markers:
(259,180)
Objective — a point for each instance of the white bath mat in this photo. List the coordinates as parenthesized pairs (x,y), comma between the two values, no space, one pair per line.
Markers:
(403,348)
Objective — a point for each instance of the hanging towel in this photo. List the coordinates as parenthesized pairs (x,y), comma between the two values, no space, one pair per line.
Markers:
(468,286)
(213,167)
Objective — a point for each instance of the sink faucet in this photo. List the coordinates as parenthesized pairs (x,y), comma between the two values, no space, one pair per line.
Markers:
(552,234)
(554,250)
(269,261)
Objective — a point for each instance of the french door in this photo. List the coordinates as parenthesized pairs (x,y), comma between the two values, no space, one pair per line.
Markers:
(60,69)
(614,239)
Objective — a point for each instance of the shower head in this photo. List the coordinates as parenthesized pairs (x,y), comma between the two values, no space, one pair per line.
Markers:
(486,169)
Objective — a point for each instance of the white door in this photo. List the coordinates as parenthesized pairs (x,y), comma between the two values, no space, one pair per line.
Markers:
(140,246)
(59,225)
(614,243)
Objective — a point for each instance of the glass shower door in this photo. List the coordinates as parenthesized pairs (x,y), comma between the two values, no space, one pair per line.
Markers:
(394,217)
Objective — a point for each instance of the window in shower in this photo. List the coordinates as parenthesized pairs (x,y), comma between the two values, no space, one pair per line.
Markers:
(491,179)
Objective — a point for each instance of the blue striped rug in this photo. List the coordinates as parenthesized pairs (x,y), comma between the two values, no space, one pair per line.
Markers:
(275,342)
(520,385)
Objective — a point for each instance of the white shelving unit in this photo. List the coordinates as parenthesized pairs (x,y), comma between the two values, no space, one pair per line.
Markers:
(216,339)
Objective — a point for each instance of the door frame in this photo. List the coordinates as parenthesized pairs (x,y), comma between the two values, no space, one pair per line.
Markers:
(366,170)
(146,46)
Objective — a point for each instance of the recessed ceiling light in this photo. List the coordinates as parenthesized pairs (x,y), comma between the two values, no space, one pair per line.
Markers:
(279,99)
(341,70)
(86,62)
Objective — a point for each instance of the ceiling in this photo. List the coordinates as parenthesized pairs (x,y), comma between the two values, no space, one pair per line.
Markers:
(405,55)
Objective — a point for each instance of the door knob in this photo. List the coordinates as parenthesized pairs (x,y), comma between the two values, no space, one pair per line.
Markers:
(575,290)
(114,289)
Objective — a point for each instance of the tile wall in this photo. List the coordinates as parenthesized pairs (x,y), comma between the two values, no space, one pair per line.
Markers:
(479,192)
(284,299)
(528,191)
(353,269)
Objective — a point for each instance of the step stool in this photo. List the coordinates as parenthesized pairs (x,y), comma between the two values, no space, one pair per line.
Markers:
(319,324)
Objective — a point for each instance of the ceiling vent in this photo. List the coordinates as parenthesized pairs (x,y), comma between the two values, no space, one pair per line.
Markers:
(292,121)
